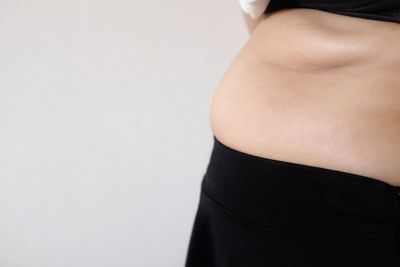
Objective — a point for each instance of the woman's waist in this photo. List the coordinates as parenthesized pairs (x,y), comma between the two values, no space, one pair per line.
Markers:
(359,100)
(312,122)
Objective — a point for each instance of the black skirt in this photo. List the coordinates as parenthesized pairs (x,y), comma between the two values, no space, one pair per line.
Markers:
(260,212)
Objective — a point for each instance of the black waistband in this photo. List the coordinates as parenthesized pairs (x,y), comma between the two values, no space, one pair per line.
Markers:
(304,199)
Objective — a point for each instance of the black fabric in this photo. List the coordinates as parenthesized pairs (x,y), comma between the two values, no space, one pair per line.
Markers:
(385,10)
(260,212)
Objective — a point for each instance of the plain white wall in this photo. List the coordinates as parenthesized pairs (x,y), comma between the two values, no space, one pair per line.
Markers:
(104,126)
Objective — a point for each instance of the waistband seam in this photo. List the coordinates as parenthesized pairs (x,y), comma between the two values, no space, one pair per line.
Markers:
(246,219)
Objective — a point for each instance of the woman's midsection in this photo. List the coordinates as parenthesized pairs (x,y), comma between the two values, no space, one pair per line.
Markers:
(315,88)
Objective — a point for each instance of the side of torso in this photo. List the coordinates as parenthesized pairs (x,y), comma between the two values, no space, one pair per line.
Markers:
(315,88)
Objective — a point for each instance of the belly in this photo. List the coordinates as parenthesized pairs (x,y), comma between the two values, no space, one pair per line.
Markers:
(315,88)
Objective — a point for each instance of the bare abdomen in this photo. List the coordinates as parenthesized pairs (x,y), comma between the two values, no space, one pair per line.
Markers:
(308,90)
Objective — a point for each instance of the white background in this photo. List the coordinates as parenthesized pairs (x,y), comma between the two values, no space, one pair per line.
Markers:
(104,126)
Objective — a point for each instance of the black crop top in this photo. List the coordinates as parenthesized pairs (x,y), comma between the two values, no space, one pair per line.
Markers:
(386,10)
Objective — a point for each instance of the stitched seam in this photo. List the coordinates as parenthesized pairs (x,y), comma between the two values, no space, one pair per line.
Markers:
(229,210)
(245,219)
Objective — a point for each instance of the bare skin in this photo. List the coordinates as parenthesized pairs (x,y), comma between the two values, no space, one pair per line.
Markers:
(315,88)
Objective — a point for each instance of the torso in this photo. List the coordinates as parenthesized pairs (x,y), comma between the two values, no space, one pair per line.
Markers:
(315,88)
